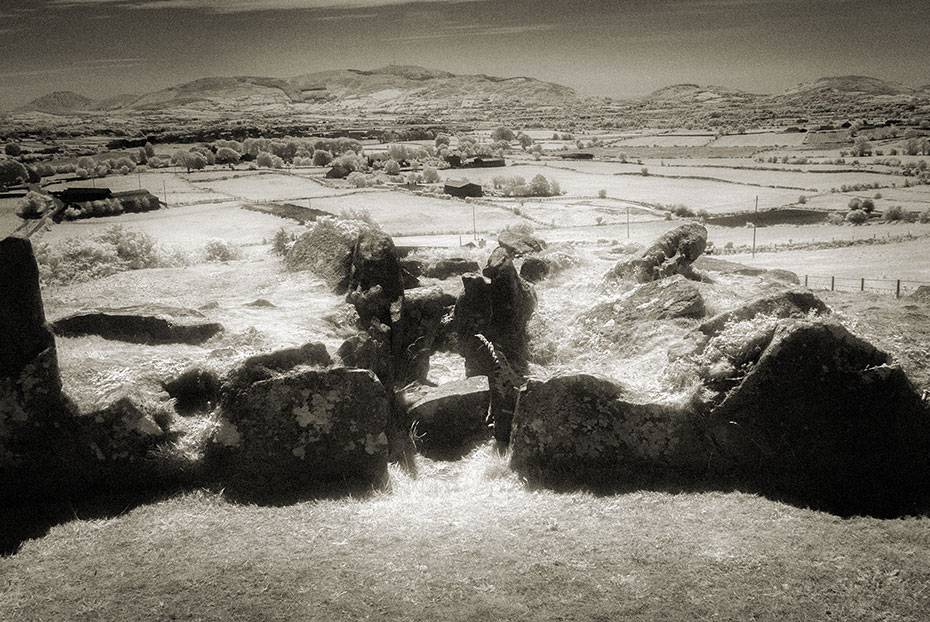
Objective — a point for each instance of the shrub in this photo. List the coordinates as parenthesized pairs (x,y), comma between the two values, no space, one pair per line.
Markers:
(281,242)
(602,194)
(854,203)
(856,217)
(894,213)
(321,157)
(878,195)
(391,167)
(644,171)
(217,250)
(835,218)
(34,205)
(134,249)
(12,150)
(802,199)
(867,206)
(359,180)
(359,214)
(430,175)
(114,250)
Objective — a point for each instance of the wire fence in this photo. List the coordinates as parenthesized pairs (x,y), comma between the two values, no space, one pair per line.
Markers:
(892,287)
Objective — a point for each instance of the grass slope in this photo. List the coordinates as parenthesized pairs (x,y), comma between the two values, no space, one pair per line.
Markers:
(466,541)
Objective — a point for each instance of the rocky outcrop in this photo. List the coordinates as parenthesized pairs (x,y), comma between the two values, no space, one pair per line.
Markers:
(518,244)
(497,304)
(534,269)
(449,419)
(784,304)
(146,324)
(822,418)
(672,253)
(375,265)
(722,266)
(326,250)
(668,299)
(585,430)
(195,390)
(300,432)
(452,266)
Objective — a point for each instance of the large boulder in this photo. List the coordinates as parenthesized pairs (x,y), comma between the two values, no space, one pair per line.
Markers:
(326,250)
(784,304)
(147,324)
(534,269)
(519,243)
(30,384)
(300,432)
(820,417)
(672,253)
(497,305)
(668,299)
(421,330)
(586,430)
(376,279)
(451,266)
(449,419)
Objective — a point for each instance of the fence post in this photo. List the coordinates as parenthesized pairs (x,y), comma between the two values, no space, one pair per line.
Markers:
(897,291)
(805,281)
(832,282)
(862,285)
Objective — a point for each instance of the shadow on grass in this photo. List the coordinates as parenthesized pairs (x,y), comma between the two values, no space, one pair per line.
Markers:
(840,498)
(34,519)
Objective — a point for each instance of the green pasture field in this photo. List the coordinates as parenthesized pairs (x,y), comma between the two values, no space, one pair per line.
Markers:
(715,197)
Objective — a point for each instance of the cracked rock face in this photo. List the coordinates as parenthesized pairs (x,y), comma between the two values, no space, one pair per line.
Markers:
(672,253)
(300,430)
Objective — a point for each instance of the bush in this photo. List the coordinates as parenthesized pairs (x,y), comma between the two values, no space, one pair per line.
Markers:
(34,205)
(281,242)
(391,167)
(221,250)
(894,213)
(924,216)
(321,157)
(856,217)
(835,218)
(359,180)
(430,175)
(867,206)
(602,194)
(114,250)
(802,200)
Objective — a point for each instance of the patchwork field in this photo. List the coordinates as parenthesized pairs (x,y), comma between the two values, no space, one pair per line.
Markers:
(468,539)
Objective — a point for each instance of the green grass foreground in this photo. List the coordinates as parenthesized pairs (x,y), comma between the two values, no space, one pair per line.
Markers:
(468,541)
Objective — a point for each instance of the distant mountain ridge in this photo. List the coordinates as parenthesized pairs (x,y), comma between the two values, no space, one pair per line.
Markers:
(393,88)
(406,91)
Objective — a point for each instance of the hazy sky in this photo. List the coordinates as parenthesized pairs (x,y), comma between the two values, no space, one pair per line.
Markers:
(101,48)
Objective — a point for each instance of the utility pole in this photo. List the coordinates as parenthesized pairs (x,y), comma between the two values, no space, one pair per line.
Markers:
(474,222)
(754,227)
(628,222)
(164,191)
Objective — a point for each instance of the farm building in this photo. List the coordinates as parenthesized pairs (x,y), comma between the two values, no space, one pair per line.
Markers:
(577,156)
(481,162)
(462,188)
(75,196)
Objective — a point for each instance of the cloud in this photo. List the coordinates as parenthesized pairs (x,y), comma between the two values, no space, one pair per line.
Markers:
(472,30)
(245,6)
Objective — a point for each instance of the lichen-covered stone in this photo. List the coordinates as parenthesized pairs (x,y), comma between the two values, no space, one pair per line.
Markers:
(498,305)
(672,253)
(784,304)
(301,431)
(584,429)
(449,419)
(822,418)
(518,243)
(668,299)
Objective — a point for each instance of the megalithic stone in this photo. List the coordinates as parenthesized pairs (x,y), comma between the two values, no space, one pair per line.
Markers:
(27,345)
